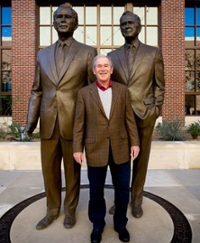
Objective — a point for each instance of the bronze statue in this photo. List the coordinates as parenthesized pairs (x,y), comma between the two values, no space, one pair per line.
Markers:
(144,77)
(105,126)
(62,69)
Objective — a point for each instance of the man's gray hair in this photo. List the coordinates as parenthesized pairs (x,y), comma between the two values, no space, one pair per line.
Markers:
(99,56)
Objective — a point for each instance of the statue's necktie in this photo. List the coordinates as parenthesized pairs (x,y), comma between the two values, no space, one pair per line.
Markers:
(60,57)
(130,58)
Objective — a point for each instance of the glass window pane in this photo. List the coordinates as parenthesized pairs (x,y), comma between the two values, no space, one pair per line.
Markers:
(45,38)
(80,12)
(117,12)
(5,105)
(79,34)
(55,35)
(105,15)
(6,15)
(6,31)
(140,12)
(198,104)
(189,37)
(152,16)
(6,60)
(6,37)
(189,59)
(45,15)
(198,37)
(118,39)
(91,35)
(198,59)
(198,16)
(189,79)
(198,81)
(189,16)
(152,36)
(142,35)
(91,15)
(6,71)
(53,10)
(105,36)
(105,51)
(189,104)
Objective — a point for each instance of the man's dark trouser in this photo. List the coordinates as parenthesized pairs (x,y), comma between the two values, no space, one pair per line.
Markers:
(97,206)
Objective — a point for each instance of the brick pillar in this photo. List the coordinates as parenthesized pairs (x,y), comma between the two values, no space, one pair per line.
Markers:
(23,56)
(173,49)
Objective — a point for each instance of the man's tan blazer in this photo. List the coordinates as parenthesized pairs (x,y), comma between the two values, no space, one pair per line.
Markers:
(94,131)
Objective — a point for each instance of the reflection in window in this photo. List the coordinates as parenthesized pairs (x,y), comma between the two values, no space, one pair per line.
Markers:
(192,104)
(192,60)
(5,58)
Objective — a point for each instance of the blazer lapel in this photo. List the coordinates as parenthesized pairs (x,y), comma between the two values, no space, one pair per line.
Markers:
(50,65)
(96,97)
(122,61)
(115,93)
(139,56)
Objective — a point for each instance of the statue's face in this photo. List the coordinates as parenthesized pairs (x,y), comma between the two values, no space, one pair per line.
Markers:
(130,28)
(64,22)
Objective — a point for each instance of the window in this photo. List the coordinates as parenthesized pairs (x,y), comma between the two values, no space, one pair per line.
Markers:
(99,26)
(149,21)
(192,60)
(5,59)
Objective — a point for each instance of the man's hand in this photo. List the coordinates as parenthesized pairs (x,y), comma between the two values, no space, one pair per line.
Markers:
(78,156)
(134,152)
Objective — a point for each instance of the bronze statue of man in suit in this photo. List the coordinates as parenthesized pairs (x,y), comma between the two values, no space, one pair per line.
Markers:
(140,67)
(62,69)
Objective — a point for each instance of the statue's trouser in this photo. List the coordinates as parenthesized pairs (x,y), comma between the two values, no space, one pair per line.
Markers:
(140,164)
(53,151)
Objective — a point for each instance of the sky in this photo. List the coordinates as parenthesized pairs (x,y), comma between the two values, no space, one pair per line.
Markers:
(6,20)
(190,21)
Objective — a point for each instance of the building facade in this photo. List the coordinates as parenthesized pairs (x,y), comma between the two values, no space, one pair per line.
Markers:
(174,26)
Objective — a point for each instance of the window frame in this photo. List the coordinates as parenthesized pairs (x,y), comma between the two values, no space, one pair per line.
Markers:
(5,95)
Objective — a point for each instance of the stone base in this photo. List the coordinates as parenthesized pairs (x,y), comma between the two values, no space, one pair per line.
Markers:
(164,155)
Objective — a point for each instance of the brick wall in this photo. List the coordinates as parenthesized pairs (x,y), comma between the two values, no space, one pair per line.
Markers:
(173,49)
(23,56)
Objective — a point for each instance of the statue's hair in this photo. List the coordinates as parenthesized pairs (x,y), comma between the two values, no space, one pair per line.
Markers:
(66,5)
(99,56)
(133,14)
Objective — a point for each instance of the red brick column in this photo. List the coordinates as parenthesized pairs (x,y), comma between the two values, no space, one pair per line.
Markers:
(173,49)
(24,41)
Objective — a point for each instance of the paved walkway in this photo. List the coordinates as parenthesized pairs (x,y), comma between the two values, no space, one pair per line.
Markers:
(171,210)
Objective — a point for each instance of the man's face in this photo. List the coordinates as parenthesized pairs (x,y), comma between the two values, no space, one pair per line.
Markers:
(64,23)
(103,70)
(130,27)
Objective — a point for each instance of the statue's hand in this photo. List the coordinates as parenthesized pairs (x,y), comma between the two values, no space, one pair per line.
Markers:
(25,136)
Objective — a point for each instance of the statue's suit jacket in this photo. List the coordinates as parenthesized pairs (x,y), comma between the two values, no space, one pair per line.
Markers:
(53,96)
(146,82)
(94,131)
